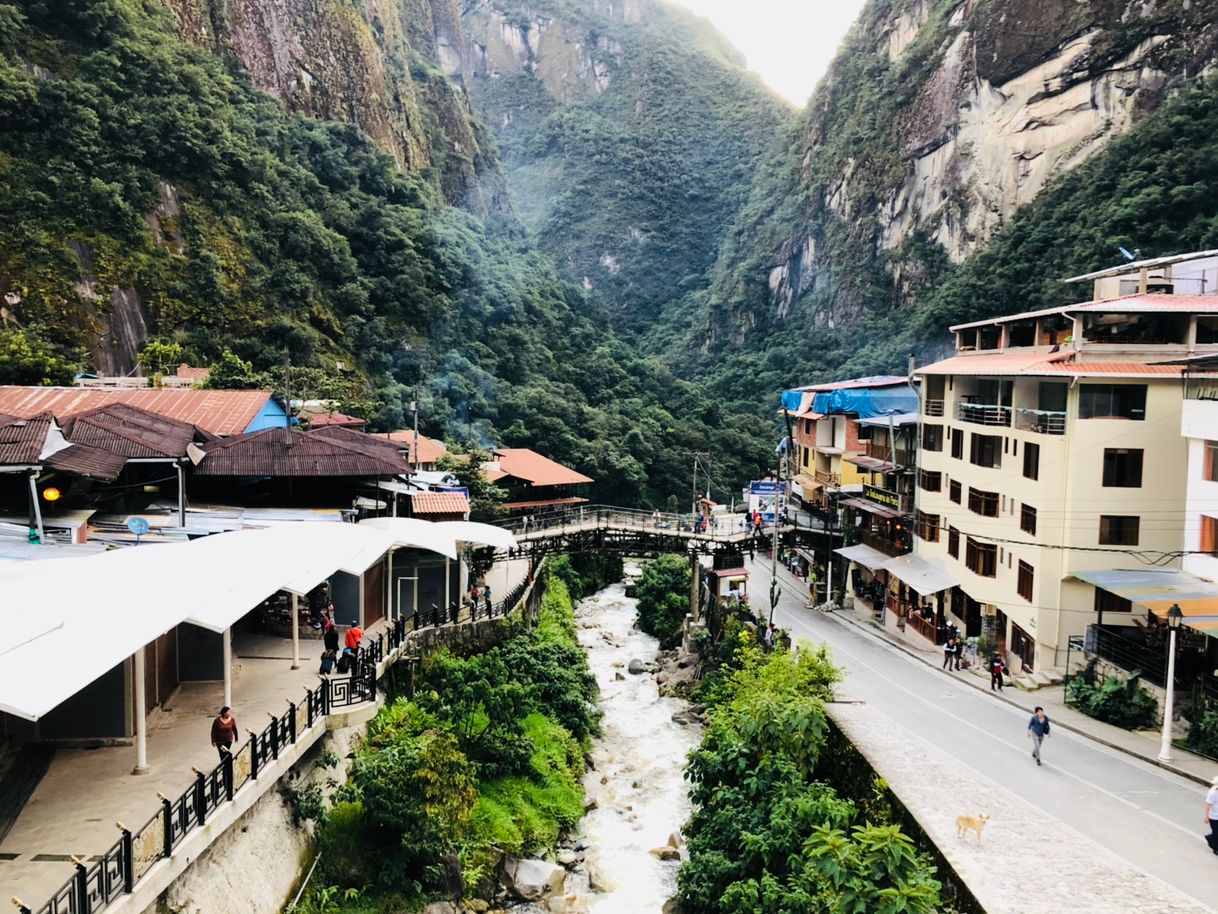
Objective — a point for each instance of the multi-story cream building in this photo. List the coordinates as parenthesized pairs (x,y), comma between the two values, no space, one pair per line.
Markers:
(1050,449)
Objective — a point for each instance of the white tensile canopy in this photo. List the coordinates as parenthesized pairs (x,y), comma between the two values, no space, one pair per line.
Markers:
(66,622)
(483,534)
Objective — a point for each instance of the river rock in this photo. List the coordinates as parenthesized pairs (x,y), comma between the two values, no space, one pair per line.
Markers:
(478,905)
(636,667)
(440,907)
(567,857)
(674,840)
(617,664)
(665,853)
(672,906)
(533,880)
(619,677)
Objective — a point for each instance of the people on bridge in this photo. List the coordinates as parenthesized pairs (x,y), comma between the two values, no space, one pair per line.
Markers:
(1038,729)
(224,731)
(486,596)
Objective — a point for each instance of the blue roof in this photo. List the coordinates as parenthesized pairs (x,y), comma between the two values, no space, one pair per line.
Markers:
(867,402)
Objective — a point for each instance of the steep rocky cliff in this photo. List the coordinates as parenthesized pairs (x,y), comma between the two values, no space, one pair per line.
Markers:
(938,120)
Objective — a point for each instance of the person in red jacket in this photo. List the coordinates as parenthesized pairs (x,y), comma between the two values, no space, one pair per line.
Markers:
(224,731)
(354,634)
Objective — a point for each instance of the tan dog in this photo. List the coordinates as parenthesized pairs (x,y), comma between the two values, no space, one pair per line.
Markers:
(964,824)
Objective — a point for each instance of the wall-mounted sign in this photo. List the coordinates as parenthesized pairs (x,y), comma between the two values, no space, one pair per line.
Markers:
(882,496)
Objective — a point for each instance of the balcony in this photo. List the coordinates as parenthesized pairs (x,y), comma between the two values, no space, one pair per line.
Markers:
(881,543)
(881,451)
(828,479)
(932,407)
(983,413)
(1045,422)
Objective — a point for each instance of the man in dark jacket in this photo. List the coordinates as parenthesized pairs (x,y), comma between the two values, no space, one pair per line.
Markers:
(1038,729)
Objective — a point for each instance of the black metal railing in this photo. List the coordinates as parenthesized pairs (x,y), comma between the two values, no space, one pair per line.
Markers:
(96,885)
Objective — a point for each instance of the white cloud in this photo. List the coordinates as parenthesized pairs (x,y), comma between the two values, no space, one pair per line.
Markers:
(788,42)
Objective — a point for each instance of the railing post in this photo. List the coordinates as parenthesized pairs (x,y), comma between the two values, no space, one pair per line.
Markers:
(254,753)
(309,707)
(167,815)
(326,692)
(200,797)
(227,765)
(274,735)
(128,858)
(292,720)
(83,905)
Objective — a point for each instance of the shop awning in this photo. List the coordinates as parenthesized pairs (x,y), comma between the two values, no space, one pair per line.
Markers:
(863,555)
(807,483)
(1158,591)
(730,572)
(871,464)
(916,572)
(870,507)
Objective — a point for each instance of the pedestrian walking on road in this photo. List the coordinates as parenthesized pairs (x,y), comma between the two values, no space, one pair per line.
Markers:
(1211,815)
(996,670)
(224,731)
(1038,729)
(959,650)
(949,653)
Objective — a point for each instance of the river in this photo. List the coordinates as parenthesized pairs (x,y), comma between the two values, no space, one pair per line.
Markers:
(640,756)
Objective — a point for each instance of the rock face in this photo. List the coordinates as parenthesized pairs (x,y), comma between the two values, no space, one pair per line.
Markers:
(957,112)
(533,880)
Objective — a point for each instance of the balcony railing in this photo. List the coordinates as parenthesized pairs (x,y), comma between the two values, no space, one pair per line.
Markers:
(829,479)
(983,413)
(1201,384)
(1046,422)
(932,407)
(882,544)
(878,451)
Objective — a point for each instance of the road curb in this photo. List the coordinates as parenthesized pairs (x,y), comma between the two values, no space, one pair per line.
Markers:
(871,631)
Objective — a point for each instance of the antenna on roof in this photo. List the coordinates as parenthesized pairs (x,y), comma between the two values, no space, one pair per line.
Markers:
(1129,257)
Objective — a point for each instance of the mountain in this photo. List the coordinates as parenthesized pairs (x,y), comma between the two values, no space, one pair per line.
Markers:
(939,122)
(250,181)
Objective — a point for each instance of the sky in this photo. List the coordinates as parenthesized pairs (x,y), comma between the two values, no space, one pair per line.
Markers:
(788,42)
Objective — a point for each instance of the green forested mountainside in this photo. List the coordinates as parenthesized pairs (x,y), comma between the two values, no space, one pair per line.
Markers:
(843,179)
(630,175)
(132,160)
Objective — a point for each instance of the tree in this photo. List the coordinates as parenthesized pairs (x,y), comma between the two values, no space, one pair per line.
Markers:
(232,372)
(158,355)
(485,498)
(27,358)
(663,593)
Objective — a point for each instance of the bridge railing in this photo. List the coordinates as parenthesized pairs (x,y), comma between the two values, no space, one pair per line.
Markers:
(608,516)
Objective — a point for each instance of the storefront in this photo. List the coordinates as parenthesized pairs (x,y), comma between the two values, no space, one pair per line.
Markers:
(916,595)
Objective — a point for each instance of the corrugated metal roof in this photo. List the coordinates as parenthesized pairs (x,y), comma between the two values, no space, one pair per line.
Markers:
(532,467)
(371,445)
(22,441)
(221,412)
(130,431)
(92,462)
(1140,303)
(280,452)
(1135,266)
(1129,369)
(439,503)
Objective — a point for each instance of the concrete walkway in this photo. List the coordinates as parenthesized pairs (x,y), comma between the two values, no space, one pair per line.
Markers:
(75,806)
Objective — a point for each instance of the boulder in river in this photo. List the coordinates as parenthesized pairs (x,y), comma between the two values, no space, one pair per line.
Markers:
(440,907)
(636,666)
(533,880)
(674,839)
(666,853)
(567,857)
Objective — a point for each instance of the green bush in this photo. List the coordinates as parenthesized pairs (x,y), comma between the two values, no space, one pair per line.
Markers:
(1123,703)
(663,593)
(1203,728)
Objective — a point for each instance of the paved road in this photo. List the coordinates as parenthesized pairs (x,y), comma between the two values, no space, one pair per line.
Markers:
(1147,816)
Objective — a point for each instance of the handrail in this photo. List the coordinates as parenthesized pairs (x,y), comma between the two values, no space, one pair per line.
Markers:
(95,886)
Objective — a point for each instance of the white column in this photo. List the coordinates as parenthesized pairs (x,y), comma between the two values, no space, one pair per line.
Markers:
(1165,744)
(227,639)
(295,632)
(141,715)
(447,583)
(42,536)
(181,494)
(391,612)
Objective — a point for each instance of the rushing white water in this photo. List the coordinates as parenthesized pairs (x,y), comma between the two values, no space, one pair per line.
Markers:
(640,755)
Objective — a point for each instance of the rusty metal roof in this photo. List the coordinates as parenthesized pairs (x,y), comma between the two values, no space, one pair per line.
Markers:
(92,462)
(22,441)
(371,445)
(1140,303)
(130,431)
(280,452)
(220,412)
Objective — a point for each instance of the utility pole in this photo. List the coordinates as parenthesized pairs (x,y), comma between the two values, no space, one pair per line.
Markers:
(782,459)
(414,451)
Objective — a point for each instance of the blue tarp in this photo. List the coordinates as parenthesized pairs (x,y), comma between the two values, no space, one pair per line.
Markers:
(867,402)
(791,400)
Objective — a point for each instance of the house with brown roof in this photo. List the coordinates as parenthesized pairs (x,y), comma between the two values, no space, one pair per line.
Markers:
(533,481)
(430,449)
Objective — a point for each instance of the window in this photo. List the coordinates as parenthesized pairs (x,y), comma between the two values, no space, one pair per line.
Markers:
(1112,401)
(1123,467)
(984,503)
(958,444)
(1108,602)
(930,481)
(1118,530)
(985,450)
(1209,459)
(953,491)
(1031,461)
(927,526)
(805,457)
(932,437)
(981,558)
(1027,519)
(1024,585)
(1209,534)
(953,542)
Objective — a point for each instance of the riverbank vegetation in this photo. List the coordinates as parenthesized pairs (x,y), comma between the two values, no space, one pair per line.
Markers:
(771,831)
(484,760)
(663,594)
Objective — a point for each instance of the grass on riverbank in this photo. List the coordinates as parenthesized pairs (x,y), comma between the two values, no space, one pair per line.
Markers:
(769,833)
(486,758)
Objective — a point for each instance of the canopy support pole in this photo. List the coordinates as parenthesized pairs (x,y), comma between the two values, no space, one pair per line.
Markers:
(415,590)
(295,632)
(393,612)
(141,713)
(36,508)
(448,586)
(227,640)
(181,494)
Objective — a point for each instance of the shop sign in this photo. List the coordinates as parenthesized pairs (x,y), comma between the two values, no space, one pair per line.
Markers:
(882,496)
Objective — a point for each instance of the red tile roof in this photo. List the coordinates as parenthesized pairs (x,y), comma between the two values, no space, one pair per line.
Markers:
(430,450)
(1113,368)
(439,503)
(130,431)
(220,412)
(529,466)
(189,371)
(546,503)
(1023,362)
(279,452)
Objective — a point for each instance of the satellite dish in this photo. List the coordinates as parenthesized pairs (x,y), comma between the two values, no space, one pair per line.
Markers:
(138,526)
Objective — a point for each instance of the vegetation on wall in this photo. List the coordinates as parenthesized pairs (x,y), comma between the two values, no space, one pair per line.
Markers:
(1114,700)
(768,833)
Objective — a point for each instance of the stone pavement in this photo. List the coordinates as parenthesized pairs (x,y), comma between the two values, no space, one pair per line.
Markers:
(1028,862)
(85,791)
(1141,744)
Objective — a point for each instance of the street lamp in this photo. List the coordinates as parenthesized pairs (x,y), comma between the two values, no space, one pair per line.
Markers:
(1174,615)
